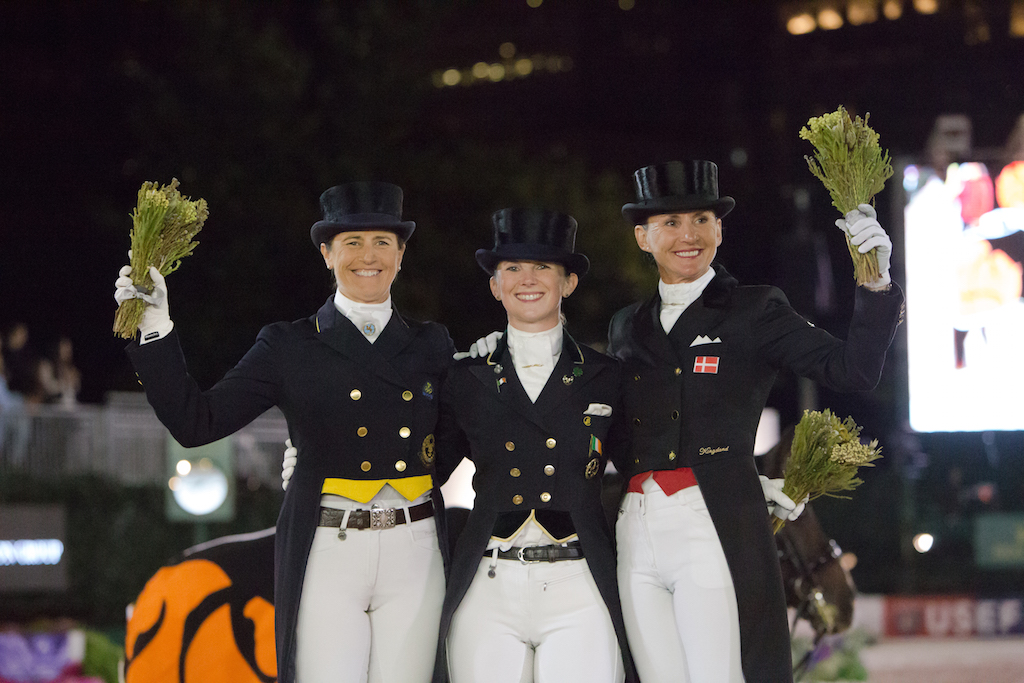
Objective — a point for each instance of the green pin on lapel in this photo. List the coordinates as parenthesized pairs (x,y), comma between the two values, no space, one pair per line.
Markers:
(577,371)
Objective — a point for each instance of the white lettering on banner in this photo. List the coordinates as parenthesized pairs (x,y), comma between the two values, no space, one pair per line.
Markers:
(998,617)
(949,618)
(28,552)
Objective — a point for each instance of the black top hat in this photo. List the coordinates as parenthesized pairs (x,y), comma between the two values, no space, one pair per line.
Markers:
(533,235)
(676,186)
(361,206)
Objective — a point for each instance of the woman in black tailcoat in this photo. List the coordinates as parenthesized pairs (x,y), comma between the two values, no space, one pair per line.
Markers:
(359,575)
(532,594)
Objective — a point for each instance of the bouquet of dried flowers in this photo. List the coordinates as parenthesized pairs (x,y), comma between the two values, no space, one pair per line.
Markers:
(853,168)
(164,224)
(824,458)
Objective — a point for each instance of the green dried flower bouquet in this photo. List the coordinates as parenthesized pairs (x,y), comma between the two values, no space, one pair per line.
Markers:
(164,225)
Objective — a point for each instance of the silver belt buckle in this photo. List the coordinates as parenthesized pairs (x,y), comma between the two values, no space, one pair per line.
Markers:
(381,518)
(519,554)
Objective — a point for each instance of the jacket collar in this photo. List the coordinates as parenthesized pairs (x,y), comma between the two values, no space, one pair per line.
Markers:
(338,332)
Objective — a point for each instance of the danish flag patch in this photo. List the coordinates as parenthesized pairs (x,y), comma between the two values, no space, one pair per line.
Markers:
(707,364)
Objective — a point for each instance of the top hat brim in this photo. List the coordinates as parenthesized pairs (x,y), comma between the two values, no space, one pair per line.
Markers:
(324,231)
(638,212)
(573,262)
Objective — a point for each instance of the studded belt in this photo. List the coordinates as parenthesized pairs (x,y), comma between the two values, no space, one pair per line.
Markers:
(376,517)
(541,553)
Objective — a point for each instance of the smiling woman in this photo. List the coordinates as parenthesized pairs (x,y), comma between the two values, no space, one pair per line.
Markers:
(364,263)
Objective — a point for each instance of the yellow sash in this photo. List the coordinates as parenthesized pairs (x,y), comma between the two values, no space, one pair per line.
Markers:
(363,490)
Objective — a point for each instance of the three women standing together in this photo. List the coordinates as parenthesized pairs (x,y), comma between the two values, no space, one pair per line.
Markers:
(380,416)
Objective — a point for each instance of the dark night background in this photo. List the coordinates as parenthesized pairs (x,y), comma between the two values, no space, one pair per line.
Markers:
(260,106)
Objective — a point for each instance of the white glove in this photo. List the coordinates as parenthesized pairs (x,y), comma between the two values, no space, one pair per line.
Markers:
(484,346)
(156,317)
(866,234)
(779,504)
(291,456)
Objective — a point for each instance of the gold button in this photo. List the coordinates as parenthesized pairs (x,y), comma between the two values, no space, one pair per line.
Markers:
(671,455)
(355,394)
(551,443)
(400,466)
(675,414)
(517,499)
(407,395)
(365,467)
(545,497)
(509,446)
(404,432)
(549,470)
(586,421)
(679,371)
(636,378)
(636,421)
(361,431)
(636,460)
(514,472)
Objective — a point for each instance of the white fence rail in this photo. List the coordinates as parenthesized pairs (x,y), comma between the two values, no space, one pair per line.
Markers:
(123,440)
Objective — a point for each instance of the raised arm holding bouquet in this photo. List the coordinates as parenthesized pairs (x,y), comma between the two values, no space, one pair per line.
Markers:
(853,168)
(164,225)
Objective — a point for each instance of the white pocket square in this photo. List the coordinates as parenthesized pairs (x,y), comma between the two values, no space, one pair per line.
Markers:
(704,339)
(598,409)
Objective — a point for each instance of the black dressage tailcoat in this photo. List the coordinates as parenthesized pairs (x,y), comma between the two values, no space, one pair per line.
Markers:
(693,398)
(355,410)
(531,456)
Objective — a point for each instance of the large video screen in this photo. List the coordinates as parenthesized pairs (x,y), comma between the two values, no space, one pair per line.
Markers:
(964,250)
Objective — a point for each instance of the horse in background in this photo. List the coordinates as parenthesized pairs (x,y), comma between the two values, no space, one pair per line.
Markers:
(817,585)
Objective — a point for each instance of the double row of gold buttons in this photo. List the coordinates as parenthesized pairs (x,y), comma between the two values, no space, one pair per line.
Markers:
(404,432)
(515,471)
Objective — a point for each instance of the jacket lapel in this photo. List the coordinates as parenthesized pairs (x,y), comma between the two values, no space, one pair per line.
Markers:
(650,333)
(570,374)
(338,332)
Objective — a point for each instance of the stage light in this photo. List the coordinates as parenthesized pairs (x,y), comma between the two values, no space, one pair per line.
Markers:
(451,77)
(861,12)
(1017,19)
(800,24)
(892,9)
(480,70)
(534,3)
(626,5)
(829,19)
(923,542)
(495,72)
(200,484)
(507,50)
(183,467)
(524,66)
(926,6)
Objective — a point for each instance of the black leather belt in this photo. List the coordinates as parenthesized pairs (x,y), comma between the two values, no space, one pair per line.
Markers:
(541,553)
(376,517)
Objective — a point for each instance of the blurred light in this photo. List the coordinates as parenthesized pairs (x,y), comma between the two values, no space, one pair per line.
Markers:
(861,12)
(523,66)
(829,19)
(627,5)
(183,467)
(480,70)
(738,157)
(202,491)
(926,6)
(451,77)
(173,483)
(800,24)
(848,561)
(495,72)
(892,9)
(911,178)
(507,50)
(534,3)
(1017,19)
(923,542)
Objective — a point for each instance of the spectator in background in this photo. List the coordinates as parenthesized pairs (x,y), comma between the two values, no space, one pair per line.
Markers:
(13,426)
(60,379)
(22,364)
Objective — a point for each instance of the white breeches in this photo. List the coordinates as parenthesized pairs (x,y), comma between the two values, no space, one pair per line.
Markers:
(371,605)
(541,622)
(677,594)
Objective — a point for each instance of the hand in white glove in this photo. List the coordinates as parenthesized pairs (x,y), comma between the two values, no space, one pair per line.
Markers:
(779,504)
(291,456)
(866,234)
(484,346)
(156,317)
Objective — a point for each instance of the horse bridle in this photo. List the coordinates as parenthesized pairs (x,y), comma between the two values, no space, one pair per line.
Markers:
(812,601)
